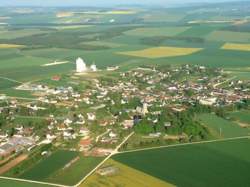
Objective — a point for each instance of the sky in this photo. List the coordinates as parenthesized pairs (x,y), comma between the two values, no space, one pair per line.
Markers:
(99,2)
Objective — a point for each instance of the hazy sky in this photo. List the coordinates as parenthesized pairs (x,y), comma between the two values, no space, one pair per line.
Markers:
(97,2)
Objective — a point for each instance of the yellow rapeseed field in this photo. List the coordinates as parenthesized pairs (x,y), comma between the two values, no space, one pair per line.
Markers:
(235,46)
(159,52)
(126,177)
(9,46)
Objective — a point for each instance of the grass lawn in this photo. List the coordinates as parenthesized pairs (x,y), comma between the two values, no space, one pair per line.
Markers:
(206,165)
(216,124)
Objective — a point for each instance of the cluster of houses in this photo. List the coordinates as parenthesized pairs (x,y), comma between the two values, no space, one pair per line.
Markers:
(15,144)
(153,88)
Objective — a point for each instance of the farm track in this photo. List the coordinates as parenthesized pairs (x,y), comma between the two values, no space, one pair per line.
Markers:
(12,80)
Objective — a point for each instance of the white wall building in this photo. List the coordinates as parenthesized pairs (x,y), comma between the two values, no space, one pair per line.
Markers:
(93,67)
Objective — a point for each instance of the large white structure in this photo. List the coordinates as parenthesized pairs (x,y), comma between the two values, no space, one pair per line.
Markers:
(80,65)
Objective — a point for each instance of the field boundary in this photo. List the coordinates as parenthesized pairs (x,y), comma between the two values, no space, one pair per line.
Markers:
(184,144)
(116,151)
(31,181)
(11,80)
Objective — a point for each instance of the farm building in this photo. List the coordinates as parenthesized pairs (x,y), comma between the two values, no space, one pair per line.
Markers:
(109,170)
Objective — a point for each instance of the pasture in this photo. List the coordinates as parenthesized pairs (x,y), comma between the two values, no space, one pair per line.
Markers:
(222,128)
(208,164)
(160,52)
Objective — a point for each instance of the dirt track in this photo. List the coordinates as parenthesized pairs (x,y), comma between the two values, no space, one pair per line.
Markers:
(12,163)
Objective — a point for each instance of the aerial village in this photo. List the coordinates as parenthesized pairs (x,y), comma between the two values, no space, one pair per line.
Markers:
(95,117)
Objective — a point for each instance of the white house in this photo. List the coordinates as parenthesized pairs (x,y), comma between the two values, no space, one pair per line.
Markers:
(93,67)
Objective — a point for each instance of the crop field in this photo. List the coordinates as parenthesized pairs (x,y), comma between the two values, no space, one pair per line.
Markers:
(214,58)
(74,173)
(103,43)
(112,37)
(61,167)
(160,31)
(220,127)
(9,46)
(195,165)
(123,178)
(158,16)
(4,84)
(12,34)
(243,75)
(159,52)
(11,183)
(237,47)
(200,30)
(229,36)
(241,116)
(48,166)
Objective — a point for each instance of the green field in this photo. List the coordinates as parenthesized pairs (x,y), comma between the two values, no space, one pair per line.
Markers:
(47,38)
(229,36)
(160,31)
(11,183)
(219,125)
(241,116)
(12,34)
(52,169)
(209,164)
(50,165)
(75,172)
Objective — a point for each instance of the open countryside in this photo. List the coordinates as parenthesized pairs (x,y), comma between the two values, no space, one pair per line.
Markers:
(124,95)
(195,165)
(160,52)
(234,46)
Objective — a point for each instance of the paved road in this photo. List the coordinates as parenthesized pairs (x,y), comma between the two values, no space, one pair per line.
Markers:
(34,182)
(108,157)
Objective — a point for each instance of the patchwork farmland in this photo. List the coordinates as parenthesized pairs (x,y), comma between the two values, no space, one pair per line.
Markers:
(147,71)
(160,52)
(195,165)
